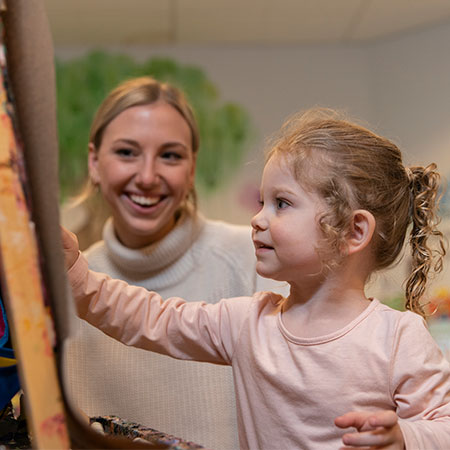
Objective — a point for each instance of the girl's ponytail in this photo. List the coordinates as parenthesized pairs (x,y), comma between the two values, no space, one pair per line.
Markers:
(424,184)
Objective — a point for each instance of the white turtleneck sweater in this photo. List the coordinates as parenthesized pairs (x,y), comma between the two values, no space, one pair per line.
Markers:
(198,260)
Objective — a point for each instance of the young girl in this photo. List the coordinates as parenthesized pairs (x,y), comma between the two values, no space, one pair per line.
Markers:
(336,204)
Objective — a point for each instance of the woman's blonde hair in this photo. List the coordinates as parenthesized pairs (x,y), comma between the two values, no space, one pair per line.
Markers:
(352,168)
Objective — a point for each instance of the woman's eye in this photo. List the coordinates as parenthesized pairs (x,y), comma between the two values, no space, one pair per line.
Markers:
(124,152)
(171,156)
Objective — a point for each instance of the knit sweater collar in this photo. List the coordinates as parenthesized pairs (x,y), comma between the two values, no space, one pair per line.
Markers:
(158,255)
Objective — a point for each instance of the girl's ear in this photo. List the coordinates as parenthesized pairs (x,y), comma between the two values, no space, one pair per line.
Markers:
(93,164)
(361,231)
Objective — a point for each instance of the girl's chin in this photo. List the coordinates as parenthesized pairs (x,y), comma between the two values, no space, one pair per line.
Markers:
(271,275)
(264,273)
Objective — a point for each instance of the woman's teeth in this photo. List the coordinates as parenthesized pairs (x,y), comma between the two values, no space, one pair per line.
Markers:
(144,201)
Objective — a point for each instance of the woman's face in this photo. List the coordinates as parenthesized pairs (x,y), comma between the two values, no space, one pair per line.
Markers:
(145,168)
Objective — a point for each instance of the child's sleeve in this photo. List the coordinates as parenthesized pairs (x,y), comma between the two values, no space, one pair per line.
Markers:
(140,318)
(420,386)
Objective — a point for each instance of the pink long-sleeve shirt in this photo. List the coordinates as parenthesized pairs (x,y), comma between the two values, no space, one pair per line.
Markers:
(289,389)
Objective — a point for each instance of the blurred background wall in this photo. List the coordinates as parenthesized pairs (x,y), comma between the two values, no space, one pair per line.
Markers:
(383,61)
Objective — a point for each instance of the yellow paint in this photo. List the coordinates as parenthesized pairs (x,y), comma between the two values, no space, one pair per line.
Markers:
(26,325)
(24,296)
(7,362)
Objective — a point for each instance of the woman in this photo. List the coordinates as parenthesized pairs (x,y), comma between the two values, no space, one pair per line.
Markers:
(143,148)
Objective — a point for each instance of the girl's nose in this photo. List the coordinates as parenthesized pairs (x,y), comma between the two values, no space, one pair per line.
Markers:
(259,221)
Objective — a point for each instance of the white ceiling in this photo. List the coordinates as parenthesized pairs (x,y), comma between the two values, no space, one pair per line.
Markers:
(150,22)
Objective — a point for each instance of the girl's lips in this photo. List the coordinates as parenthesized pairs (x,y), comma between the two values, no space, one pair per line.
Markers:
(261,247)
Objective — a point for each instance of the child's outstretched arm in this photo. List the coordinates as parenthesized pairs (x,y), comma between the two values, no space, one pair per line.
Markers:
(379,430)
(141,318)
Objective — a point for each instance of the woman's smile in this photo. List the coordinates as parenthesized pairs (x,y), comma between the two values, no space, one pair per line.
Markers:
(143,200)
(145,204)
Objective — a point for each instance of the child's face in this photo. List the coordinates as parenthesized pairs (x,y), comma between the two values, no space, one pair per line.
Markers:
(285,231)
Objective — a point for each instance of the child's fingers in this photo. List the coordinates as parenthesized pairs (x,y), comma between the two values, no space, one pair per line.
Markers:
(380,438)
(355,419)
(70,247)
(379,429)
(366,420)
(385,419)
(68,238)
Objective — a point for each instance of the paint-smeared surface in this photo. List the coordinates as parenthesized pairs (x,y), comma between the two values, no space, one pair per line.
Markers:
(23,290)
(55,425)
(115,426)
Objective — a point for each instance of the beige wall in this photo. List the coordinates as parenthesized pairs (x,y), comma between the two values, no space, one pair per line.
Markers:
(401,86)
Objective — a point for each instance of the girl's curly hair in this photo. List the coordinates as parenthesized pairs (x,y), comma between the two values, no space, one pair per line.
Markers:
(352,168)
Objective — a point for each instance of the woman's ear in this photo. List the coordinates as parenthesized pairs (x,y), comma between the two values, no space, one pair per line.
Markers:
(362,227)
(93,164)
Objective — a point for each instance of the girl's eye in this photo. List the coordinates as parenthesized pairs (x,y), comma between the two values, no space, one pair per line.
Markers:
(281,204)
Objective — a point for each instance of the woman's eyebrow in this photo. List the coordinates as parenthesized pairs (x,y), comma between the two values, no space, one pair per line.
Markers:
(126,141)
(174,144)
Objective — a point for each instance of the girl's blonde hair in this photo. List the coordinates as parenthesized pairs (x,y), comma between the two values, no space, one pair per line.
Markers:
(352,168)
(137,92)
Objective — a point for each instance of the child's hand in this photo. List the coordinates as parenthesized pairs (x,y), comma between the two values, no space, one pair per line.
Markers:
(70,247)
(379,430)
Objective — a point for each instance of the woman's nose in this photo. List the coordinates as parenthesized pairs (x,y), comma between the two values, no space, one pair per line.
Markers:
(147,174)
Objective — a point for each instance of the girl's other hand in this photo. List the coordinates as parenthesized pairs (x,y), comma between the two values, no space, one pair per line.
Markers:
(378,430)
(70,247)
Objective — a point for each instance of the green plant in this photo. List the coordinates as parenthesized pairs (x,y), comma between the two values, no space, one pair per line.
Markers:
(82,84)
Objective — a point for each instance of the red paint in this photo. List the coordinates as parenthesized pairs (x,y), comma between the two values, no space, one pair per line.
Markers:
(55,425)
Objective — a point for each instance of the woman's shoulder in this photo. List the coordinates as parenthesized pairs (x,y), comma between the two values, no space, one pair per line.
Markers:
(220,232)
(227,244)
(95,248)
(97,256)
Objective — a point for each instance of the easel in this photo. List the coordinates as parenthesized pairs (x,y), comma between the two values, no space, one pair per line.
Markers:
(31,259)
(22,288)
